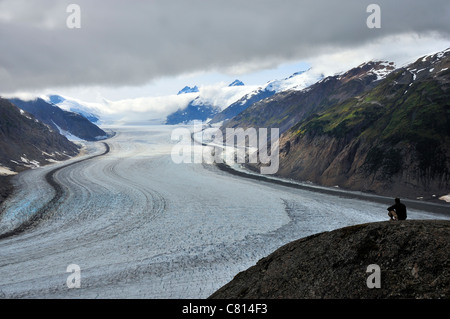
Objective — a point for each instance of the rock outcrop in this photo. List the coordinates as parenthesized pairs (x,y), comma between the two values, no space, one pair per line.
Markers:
(413,259)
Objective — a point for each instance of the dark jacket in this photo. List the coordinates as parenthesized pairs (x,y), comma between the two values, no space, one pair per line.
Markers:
(400,209)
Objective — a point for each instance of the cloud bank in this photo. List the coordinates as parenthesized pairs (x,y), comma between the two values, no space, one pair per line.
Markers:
(129,43)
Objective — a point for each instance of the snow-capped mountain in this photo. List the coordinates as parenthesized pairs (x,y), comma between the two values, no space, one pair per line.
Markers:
(305,93)
(70,124)
(392,137)
(236,83)
(427,65)
(297,81)
(242,104)
(374,128)
(195,110)
(188,89)
(207,101)
(72,105)
(379,69)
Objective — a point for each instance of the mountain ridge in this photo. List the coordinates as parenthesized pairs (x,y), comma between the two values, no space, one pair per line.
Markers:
(26,142)
(286,108)
(195,110)
(236,83)
(71,105)
(209,101)
(391,139)
(188,89)
(61,120)
(374,128)
(297,81)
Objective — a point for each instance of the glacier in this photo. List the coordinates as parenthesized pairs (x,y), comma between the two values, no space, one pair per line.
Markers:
(141,226)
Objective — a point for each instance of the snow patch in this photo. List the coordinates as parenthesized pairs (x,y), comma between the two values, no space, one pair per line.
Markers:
(387,68)
(29,163)
(5,171)
(412,71)
(298,81)
(25,114)
(68,135)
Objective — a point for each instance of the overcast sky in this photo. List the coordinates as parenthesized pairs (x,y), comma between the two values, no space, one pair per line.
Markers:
(125,45)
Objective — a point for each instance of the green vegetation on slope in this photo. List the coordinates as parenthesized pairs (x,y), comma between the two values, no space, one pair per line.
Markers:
(392,118)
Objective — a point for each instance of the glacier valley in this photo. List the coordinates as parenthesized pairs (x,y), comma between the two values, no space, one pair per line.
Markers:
(141,226)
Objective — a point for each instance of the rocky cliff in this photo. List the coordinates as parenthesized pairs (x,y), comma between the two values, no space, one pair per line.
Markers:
(412,257)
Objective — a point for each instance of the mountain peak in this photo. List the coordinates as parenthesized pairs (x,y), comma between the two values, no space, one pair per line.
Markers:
(436,64)
(378,68)
(236,83)
(188,89)
(71,105)
(297,81)
(297,73)
(55,99)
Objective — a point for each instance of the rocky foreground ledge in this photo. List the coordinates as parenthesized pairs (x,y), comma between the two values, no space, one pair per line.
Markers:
(413,257)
